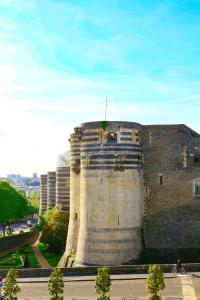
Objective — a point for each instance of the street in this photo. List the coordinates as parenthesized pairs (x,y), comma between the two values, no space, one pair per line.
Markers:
(183,287)
(17,227)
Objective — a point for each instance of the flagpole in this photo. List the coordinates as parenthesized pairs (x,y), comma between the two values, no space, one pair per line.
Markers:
(106,109)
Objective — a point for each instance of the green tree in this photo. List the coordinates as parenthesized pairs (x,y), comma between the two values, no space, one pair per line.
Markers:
(55,232)
(13,205)
(56,285)
(155,282)
(103,283)
(35,200)
(11,287)
(48,215)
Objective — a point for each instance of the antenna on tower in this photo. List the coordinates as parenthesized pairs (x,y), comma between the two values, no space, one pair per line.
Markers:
(106,108)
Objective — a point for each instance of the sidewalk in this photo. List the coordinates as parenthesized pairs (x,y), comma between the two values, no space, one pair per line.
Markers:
(40,258)
(113,277)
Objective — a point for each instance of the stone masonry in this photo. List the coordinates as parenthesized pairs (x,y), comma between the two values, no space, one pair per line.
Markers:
(131,183)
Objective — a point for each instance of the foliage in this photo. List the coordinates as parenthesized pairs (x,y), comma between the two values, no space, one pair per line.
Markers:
(103,297)
(13,205)
(48,215)
(29,255)
(52,258)
(104,124)
(56,285)
(35,200)
(102,283)
(32,209)
(155,282)
(13,260)
(55,232)
(11,287)
(10,261)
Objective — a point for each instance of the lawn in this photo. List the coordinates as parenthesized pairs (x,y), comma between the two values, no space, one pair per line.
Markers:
(14,259)
(52,258)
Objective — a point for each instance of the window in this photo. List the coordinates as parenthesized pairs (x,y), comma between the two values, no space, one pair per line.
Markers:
(160,177)
(112,138)
(197,188)
(75,216)
(196,159)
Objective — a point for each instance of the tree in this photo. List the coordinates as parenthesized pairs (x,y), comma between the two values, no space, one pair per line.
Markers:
(35,200)
(56,285)
(13,205)
(11,287)
(55,232)
(49,214)
(103,283)
(155,282)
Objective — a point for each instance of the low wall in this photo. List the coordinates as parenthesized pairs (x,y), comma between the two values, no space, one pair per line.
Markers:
(9,243)
(169,256)
(114,270)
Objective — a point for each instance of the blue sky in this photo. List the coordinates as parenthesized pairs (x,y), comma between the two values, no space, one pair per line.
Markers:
(60,59)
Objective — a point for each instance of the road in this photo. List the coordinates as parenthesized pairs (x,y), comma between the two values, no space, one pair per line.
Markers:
(183,287)
(17,227)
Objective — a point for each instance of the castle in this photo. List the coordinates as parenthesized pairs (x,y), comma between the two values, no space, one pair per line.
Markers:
(54,188)
(132,185)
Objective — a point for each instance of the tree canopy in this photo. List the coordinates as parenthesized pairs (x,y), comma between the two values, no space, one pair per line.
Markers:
(55,230)
(13,205)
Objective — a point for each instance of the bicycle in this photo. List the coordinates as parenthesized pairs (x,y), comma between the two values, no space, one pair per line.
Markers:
(177,270)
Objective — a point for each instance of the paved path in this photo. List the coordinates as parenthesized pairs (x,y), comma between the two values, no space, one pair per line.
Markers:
(40,258)
(186,288)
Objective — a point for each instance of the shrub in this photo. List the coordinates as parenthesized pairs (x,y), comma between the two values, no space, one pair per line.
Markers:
(155,282)
(103,283)
(56,285)
(11,287)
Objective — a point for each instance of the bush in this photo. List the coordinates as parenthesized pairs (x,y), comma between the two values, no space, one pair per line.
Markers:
(155,282)
(103,283)
(11,287)
(103,298)
(56,285)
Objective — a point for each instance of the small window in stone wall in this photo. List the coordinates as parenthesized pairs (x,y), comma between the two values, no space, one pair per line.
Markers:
(196,188)
(160,178)
(75,216)
(112,138)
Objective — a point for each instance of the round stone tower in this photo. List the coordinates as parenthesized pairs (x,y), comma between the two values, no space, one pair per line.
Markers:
(51,190)
(62,188)
(43,194)
(62,183)
(106,217)
(73,230)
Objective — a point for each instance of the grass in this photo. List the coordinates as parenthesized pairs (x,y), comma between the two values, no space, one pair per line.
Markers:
(52,258)
(14,259)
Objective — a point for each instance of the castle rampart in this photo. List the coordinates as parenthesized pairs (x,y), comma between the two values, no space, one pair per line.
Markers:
(106,193)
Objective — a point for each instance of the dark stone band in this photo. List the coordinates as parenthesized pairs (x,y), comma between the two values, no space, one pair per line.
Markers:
(116,229)
(117,168)
(104,241)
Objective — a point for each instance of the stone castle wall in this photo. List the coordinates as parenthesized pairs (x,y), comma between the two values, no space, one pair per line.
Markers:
(172,213)
(129,178)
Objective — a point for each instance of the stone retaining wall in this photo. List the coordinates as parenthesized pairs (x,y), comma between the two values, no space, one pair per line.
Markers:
(133,269)
(10,242)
